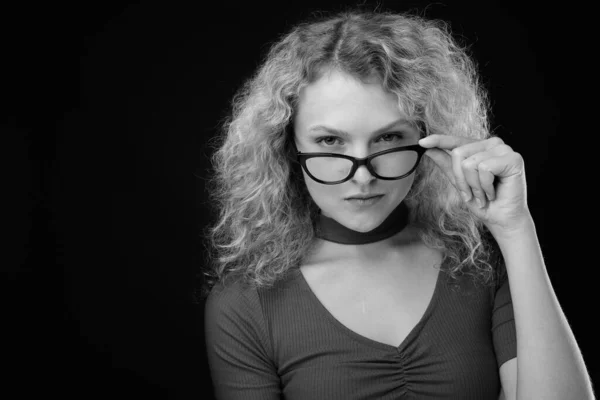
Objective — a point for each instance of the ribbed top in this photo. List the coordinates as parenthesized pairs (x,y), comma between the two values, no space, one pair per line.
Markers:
(283,343)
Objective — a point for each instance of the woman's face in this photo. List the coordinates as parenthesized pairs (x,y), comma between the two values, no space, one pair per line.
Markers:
(372,119)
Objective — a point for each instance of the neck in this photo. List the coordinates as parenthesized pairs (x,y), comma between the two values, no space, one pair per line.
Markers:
(330,230)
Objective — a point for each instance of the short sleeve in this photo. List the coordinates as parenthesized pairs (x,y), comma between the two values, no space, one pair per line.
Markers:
(238,346)
(503,323)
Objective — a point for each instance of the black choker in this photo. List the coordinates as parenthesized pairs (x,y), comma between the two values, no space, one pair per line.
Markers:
(331,230)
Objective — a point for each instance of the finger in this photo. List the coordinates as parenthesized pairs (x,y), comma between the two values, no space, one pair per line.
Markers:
(444,161)
(459,175)
(504,166)
(486,178)
(471,174)
(459,155)
(446,142)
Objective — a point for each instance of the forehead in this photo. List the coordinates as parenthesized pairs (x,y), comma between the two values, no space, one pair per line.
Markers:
(344,102)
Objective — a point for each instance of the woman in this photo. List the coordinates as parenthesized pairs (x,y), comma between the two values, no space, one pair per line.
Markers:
(316,294)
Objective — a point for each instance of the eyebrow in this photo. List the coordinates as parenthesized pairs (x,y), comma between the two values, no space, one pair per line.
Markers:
(347,135)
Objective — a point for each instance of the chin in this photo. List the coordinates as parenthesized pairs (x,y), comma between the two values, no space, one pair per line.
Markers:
(365,221)
(363,228)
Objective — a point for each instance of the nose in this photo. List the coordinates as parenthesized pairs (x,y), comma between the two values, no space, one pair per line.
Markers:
(362,174)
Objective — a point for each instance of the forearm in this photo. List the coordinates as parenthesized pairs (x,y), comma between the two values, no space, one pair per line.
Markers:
(549,362)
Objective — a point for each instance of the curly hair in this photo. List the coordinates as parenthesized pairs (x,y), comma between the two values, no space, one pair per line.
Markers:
(266,217)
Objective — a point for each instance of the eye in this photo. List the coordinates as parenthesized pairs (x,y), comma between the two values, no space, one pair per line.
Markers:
(324,138)
(389,136)
(397,135)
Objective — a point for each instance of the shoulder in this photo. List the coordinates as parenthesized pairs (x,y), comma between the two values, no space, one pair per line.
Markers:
(235,330)
(234,310)
(239,301)
(231,297)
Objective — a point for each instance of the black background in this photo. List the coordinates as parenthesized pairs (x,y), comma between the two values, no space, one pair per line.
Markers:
(106,110)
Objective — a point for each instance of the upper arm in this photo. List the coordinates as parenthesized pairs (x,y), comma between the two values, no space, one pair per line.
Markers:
(505,337)
(508,378)
(238,356)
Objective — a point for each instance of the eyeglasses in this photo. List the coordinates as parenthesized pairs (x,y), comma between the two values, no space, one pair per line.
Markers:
(333,169)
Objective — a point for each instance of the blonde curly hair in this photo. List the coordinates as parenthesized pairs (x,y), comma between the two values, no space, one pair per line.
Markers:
(266,217)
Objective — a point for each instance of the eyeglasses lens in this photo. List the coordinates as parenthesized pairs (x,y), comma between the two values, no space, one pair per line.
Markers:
(390,165)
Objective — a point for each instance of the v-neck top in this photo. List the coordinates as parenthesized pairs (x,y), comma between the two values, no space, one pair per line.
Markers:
(281,342)
(325,313)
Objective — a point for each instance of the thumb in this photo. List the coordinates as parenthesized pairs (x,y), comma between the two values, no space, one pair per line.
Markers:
(444,161)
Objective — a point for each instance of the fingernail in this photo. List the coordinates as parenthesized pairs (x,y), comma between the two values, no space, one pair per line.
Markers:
(465,196)
(480,203)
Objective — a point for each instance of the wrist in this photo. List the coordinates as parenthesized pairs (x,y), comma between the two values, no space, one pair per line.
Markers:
(516,230)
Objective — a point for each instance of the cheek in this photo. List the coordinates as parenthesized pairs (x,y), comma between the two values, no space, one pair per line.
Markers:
(406,184)
(321,194)
(401,188)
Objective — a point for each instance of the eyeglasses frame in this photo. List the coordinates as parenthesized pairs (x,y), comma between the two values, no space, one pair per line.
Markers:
(358,162)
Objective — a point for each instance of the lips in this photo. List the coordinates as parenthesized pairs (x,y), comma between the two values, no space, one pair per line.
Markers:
(364,198)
